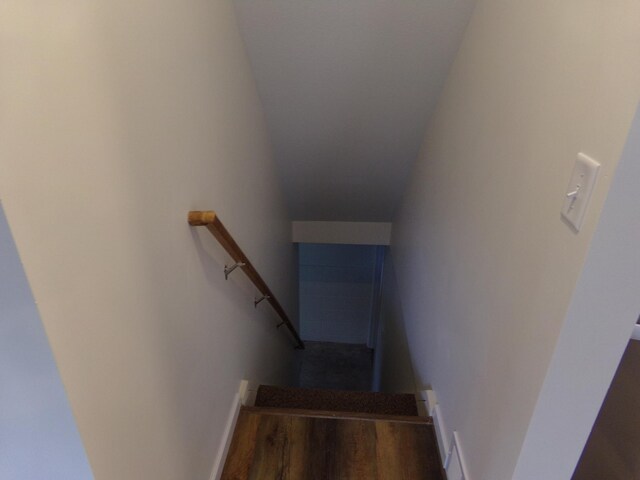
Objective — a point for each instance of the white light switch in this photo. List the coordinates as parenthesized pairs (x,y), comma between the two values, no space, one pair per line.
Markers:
(576,200)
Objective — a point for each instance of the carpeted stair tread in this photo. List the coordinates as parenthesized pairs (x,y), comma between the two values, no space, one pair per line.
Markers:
(337,400)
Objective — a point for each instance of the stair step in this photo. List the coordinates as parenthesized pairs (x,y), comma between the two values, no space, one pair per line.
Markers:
(269,446)
(300,412)
(375,403)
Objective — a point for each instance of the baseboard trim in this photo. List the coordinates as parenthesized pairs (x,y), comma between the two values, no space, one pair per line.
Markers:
(456,467)
(426,401)
(441,434)
(428,406)
(636,333)
(246,392)
(453,461)
(218,465)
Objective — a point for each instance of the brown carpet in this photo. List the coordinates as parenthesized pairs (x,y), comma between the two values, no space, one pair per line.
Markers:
(336,400)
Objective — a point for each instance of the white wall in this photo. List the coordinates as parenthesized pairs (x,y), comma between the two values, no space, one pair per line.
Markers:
(38,435)
(336,292)
(117,118)
(599,322)
(486,266)
(354,233)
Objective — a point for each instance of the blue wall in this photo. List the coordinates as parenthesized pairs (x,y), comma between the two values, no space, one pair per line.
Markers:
(336,292)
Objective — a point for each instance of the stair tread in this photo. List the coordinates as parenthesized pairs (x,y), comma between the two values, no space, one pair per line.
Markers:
(337,400)
(301,412)
(267,445)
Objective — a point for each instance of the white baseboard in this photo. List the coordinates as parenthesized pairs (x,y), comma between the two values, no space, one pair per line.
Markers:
(449,446)
(636,333)
(250,397)
(245,397)
(456,467)
(441,434)
(428,407)
(427,399)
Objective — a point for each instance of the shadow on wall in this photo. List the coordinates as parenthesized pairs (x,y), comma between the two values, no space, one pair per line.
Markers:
(38,434)
(393,369)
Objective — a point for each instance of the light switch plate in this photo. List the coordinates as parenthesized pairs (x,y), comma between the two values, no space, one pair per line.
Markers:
(583,179)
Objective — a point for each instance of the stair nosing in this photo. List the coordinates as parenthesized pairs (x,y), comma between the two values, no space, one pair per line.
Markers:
(338,415)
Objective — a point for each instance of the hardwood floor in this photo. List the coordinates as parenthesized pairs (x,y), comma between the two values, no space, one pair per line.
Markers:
(268,446)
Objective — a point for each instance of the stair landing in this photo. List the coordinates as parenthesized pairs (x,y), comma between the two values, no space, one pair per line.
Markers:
(270,444)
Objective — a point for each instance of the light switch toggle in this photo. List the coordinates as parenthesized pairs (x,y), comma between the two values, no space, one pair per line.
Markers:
(583,179)
(574,194)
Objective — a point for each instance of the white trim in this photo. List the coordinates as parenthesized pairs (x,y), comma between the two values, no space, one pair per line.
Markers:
(448,445)
(456,466)
(636,333)
(239,399)
(429,397)
(441,434)
(218,465)
(243,391)
(248,392)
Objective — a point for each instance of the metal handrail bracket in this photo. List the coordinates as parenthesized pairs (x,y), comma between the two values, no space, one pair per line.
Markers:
(211,220)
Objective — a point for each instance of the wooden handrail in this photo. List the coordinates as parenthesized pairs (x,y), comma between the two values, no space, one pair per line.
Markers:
(210,220)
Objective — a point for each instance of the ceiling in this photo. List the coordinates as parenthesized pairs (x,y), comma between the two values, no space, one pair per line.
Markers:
(347,87)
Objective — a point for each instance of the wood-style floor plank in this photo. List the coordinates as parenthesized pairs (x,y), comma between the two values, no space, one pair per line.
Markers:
(404,452)
(322,439)
(271,455)
(355,449)
(241,450)
(299,449)
(281,447)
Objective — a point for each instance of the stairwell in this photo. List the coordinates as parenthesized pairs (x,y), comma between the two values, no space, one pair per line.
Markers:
(297,433)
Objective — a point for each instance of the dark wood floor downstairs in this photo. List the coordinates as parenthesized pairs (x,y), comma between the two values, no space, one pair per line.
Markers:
(273,444)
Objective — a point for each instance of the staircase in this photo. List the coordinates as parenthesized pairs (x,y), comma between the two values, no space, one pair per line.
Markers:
(299,434)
